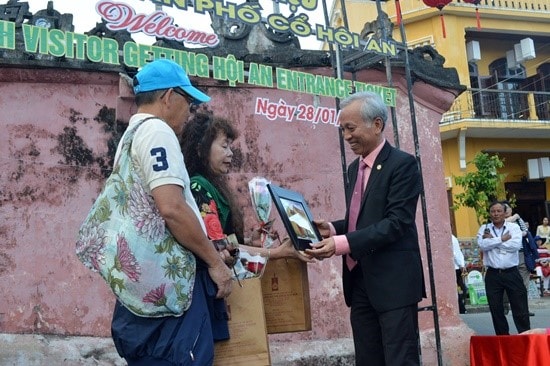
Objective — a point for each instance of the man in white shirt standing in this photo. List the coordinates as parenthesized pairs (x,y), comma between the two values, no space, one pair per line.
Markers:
(500,242)
(458,257)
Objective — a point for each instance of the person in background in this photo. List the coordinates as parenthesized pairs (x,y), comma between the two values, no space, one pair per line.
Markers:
(500,242)
(516,218)
(543,271)
(528,252)
(460,270)
(382,271)
(543,230)
(545,244)
(163,95)
(539,241)
(542,268)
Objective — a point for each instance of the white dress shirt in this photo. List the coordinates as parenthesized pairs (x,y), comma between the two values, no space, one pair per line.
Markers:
(496,253)
(457,253)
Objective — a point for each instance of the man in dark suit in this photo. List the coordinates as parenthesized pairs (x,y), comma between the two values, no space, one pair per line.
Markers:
(382,273)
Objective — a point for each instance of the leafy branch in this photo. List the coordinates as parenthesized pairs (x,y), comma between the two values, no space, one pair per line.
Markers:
(481,187)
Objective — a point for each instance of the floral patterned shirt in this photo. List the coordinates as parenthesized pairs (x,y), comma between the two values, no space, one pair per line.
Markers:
(209,211)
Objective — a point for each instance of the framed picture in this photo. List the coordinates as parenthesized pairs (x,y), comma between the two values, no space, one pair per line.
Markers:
(296,216)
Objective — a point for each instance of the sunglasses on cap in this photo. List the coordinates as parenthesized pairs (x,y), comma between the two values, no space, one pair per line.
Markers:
(179,91)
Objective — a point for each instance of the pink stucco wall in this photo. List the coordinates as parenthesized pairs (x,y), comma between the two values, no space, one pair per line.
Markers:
(50,117)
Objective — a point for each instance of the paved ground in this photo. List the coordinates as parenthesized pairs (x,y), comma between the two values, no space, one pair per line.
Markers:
(478,318)
(41,350)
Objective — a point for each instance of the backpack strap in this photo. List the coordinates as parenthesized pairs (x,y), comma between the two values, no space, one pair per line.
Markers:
(127,141)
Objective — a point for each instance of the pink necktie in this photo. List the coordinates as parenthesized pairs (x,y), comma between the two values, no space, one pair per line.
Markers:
(355,206)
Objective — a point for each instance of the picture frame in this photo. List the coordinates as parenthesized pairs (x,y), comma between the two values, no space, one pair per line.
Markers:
(296,216)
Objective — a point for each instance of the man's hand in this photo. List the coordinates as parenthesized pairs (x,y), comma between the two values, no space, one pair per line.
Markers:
(506,236)
(287,250)
(186,228)
(322,249)
(323,227)
(221,275)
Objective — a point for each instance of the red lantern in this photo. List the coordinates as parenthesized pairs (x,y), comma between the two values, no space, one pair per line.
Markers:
(438,4)
(476,3)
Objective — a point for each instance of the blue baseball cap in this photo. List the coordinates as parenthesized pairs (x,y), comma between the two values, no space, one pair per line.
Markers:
(165,74)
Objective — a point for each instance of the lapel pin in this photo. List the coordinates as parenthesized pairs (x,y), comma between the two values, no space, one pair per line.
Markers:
(378,167)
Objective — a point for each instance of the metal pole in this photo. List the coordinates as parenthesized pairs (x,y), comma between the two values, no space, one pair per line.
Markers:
(388,75)
(276,8)
(336,56)
(433,308)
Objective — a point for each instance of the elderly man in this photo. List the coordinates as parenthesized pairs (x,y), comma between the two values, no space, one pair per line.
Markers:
(377,239)
(500,242)
(163,96)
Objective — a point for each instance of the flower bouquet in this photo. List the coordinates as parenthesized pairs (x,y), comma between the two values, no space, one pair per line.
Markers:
(244,262)
(261,201)
(250,263)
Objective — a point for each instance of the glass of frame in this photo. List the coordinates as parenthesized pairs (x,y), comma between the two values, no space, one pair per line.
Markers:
(296,216)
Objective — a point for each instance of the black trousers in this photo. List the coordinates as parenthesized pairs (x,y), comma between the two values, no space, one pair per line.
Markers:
(461,289)
(389,338)
(509,281)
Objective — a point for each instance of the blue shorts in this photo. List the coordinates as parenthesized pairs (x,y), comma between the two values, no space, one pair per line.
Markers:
(184,340)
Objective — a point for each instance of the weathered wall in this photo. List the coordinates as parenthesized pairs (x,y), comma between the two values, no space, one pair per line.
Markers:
(56,130)
(52,126)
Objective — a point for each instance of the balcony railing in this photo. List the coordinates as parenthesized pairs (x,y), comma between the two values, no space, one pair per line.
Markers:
(499,105)
(537,5)
(528,5)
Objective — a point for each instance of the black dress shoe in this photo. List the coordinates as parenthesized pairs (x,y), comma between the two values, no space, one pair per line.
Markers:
(531,314)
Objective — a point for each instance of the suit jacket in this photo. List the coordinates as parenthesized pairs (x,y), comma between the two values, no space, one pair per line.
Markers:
(530,251)
(385,242)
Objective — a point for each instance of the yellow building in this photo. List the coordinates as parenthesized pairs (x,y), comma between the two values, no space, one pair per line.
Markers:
(505,64)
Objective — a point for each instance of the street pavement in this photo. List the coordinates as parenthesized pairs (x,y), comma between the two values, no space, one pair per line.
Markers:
(479,320)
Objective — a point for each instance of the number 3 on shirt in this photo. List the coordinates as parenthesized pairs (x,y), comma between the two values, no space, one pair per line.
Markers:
(159,153)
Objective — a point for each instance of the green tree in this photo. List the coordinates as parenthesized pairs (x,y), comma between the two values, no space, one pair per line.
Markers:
(482,186)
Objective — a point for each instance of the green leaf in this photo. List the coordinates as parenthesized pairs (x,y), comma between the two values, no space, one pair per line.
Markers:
(482,186)
(103,212)
(117,282)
